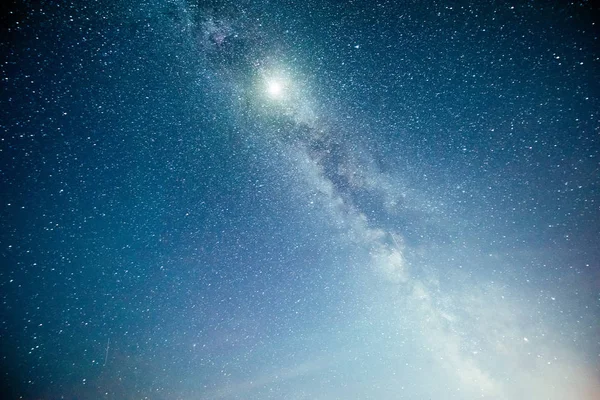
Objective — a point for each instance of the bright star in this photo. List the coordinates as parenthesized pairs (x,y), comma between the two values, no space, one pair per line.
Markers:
(274,88)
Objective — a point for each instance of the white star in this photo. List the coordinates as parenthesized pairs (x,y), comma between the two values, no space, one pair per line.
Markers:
(274,88)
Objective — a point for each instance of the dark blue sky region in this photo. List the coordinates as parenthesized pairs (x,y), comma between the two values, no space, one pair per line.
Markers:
(300,200)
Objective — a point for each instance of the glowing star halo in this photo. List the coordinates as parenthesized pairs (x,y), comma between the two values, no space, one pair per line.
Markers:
(275,88)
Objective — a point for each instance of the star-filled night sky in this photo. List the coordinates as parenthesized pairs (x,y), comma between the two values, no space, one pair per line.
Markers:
(300,200)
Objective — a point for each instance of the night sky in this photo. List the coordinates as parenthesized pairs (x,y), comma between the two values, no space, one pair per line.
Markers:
(294,200)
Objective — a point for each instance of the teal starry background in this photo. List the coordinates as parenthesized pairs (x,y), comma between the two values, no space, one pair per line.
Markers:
(299,200)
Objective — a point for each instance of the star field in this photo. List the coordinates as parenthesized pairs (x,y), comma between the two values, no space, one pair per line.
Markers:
(299,200)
